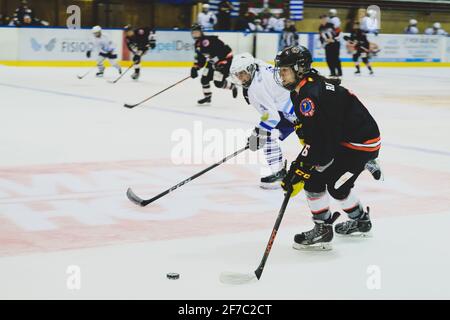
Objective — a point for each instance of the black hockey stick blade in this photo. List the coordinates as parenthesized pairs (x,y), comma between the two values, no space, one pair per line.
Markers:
(130,106)
(134,198)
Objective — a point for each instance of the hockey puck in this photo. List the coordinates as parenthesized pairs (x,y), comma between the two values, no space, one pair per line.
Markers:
(173,276)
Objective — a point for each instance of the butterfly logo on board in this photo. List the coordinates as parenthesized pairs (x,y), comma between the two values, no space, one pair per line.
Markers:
(37,46)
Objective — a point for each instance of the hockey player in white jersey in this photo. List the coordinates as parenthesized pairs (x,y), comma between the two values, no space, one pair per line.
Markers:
(106,50)
(277,112)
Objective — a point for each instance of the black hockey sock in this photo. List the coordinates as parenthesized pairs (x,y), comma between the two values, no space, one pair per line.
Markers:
(369,67)
(357,68)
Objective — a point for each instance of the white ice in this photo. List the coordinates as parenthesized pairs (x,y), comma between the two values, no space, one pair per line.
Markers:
(69,151)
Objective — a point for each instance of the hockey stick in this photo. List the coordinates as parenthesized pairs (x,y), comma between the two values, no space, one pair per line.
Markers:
(137,104)
(89,71)
(141,202)
(242,278)
(123,73)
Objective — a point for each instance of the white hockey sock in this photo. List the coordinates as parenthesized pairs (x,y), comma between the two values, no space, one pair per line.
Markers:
(351,205)
(318,203)
(207,90)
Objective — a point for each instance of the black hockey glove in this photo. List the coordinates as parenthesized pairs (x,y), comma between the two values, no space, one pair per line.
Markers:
(298,174)
(152,44)
(257,139)
(88,54)
(211,20)
(194,72)
(136,59)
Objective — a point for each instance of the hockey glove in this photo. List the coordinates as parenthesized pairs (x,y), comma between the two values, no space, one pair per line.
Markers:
(194,72)
(296,177)
(152,44)
(257,139)
(137,59)
(88,54)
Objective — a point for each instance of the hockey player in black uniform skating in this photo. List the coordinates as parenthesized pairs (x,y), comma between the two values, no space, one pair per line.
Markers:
(139,41)
(216,57)
(361,45)
(339,138)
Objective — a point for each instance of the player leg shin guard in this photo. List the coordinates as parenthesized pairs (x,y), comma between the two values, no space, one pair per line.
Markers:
(101,67)
(274,159)
(207,92)
(116,65)
(318,203)
(137,71)
(349,204)
(367,63)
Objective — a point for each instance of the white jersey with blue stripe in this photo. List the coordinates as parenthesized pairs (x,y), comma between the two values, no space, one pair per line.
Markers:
(270,100)
(103,44)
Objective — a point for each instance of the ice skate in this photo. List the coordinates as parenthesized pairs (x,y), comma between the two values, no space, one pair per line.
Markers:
(355,227)
(319,238)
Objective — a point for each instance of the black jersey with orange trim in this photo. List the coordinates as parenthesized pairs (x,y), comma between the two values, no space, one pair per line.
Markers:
(332,117)
(140,40)
(212,49)
(359,38)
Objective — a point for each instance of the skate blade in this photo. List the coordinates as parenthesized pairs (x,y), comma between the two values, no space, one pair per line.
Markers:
(269,186)
(327,246)
(357,234)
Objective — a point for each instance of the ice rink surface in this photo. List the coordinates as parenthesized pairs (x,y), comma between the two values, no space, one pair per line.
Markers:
(69,151)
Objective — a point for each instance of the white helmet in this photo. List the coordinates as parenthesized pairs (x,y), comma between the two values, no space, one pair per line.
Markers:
(205,6)
(413,22)
(437,25)
(332,12)
(96,29)
(243,62)
(371,13)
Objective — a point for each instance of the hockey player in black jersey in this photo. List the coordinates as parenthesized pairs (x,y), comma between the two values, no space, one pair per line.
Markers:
(339,138)
(358,40)
(139,41)
(216,57)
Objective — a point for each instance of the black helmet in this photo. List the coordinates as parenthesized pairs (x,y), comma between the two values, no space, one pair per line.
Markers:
(296,57)
(196,27)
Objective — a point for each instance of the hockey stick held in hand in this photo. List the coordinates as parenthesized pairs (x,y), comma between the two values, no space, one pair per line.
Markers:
(242,278)
(141,202)
(126,105)
(122,74)
(89,71)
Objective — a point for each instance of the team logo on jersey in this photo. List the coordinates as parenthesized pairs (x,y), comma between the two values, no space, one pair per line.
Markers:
(307,107)
(205,42)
